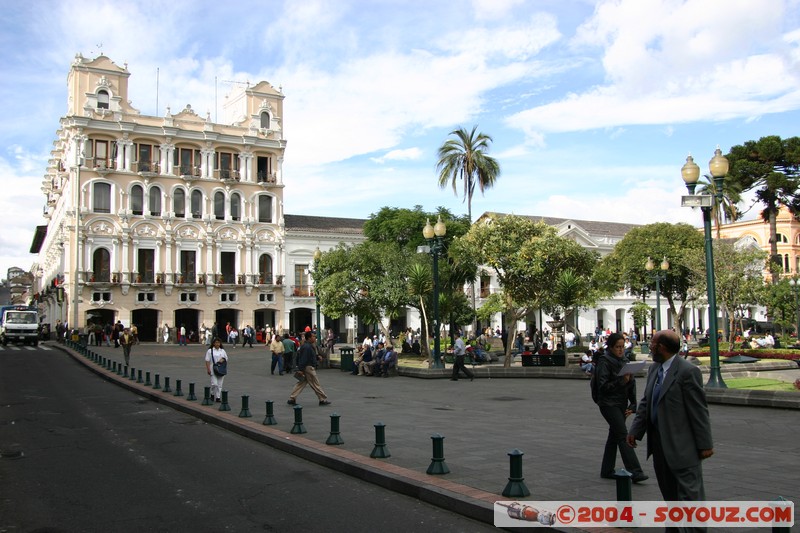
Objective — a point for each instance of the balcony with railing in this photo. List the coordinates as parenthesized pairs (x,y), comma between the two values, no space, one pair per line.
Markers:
(146,167)
(262,176)
(303,291)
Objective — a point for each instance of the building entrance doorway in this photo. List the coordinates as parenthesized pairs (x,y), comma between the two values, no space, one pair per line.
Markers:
(188,318)
(146,321)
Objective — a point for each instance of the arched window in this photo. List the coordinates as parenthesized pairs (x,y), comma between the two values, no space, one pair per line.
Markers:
(101,197)
(780,238)
(265,268)
(101,265)
(236,207)
(197,204)
(786,263)
(179,203)
(155,202)
(265,120)
(265,208)
(102,99)
(137,200)
(219,205)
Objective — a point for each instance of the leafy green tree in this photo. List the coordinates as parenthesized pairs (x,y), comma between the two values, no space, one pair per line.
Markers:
(404,226)
(780,301)
(739,279)
(770,167)
(640,312)
(368,280)
(465,158)
(571,292)
(525,256)
(675,242)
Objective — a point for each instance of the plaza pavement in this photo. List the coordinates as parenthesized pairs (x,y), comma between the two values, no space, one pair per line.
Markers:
(552,421)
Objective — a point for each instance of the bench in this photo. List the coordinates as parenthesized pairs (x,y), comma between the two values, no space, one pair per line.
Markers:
(450,359)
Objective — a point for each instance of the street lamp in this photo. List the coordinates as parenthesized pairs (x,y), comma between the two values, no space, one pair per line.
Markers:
(659,276)
(435,237)
(718,166)
(317,257)
(795,284)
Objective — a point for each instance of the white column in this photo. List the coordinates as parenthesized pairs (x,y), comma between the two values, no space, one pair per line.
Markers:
(128,155)
(279,179)
(120,163)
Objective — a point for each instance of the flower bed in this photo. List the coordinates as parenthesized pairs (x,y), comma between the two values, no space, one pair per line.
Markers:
(786,355)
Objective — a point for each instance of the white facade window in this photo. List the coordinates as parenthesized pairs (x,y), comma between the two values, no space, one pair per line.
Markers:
(228,297)
(145,296)
(102,99)
(188,297)
(101,297)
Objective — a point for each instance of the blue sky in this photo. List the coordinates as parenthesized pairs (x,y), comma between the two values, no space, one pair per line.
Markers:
(592,105)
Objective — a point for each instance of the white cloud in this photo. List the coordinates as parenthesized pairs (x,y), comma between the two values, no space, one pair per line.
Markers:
(399,155)
(493,9)
(671,61)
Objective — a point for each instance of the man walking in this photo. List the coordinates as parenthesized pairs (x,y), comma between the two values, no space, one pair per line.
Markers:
(459,350)
(126,340)
(288,353)
(276,347)
(674,414)
(307,361)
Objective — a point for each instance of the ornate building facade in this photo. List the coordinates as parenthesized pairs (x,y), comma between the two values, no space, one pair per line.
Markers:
(170,220)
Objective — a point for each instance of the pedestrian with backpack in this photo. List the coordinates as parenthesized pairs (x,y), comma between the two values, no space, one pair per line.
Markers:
(616,397)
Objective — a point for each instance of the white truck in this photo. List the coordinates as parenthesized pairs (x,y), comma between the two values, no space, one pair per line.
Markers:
(19,323)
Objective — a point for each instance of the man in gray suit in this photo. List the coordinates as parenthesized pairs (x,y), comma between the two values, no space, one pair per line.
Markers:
(674,414)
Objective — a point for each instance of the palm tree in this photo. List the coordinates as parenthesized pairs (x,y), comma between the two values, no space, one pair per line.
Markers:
(464,158)
(728,207)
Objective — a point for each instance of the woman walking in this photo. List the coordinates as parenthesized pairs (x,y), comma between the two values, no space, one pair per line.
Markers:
(616,397)
(216,354)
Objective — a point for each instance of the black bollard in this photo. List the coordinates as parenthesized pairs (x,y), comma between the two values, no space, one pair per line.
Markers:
(167,388)
(114,366)
(157,384)
(270,420)
(191,396)
(380,451)
(178,391)
(516,483)
(119,370)
(624,481)
(298,426)
(438,466)
(139,377)
(335,437)
(147,381)
(224,405)
(125,375)
(245,412)
(207,396)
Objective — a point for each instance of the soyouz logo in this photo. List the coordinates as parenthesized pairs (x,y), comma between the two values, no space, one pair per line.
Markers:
(644,514)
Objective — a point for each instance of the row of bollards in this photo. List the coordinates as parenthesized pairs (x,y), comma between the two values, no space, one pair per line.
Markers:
(515,488)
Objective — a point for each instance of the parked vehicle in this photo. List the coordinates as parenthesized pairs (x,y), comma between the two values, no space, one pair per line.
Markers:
(19,323)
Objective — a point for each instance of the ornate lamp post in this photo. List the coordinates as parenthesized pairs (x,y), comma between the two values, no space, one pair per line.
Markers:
(795,284)
(435,237)
(317,257)
(718,166)
(659,276)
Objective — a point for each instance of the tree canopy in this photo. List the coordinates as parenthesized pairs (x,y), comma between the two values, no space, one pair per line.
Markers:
(769,166)
(625,265)
(526,257)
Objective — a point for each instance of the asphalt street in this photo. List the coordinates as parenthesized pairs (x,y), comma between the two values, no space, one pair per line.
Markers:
(80,454)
